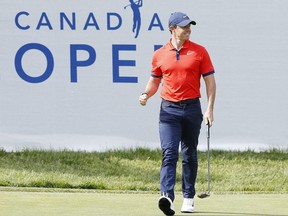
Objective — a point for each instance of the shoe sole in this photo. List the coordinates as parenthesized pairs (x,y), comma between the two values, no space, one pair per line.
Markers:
(187,211)
(165,206)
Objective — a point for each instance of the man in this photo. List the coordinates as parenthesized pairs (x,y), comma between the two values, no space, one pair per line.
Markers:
(180,64)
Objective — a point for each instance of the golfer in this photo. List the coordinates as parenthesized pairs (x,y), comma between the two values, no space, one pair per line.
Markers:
(180,64)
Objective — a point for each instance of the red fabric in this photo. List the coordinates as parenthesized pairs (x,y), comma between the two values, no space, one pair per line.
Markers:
(181,76)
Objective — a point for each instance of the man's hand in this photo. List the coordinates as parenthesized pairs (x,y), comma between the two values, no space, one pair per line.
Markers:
(143,99)
(208,118)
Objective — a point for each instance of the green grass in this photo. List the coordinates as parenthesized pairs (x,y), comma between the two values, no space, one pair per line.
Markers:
(138,170)
(15,203)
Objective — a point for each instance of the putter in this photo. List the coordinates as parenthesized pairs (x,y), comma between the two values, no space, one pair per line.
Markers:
(207,194)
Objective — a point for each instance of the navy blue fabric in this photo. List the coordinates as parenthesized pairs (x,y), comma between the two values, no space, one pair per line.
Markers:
(179,124)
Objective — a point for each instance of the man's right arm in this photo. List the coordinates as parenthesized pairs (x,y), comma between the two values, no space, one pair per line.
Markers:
(151,88)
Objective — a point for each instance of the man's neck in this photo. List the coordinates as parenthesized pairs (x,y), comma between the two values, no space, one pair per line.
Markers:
(177,43)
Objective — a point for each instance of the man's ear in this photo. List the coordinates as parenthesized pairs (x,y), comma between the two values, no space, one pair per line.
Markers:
(171,28)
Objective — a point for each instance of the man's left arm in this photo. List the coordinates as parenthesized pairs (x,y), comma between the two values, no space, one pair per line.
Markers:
(211,94)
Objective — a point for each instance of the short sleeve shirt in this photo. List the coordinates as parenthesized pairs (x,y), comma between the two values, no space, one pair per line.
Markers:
(181,70)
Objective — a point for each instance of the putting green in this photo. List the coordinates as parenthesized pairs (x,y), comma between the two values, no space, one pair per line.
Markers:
(14,203)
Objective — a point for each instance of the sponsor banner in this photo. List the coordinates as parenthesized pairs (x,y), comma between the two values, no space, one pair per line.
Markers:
(71,71)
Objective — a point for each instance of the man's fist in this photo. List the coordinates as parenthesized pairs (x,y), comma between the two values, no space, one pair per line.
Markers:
(143,99)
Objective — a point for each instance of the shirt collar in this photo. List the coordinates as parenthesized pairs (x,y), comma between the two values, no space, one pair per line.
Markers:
(171,47)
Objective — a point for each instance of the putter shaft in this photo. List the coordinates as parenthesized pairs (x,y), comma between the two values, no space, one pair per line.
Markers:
(207,194)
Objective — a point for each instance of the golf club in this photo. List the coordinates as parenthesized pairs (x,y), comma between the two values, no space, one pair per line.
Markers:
(207,194)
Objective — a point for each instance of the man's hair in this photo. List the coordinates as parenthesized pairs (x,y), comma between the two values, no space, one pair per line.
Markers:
(175,26)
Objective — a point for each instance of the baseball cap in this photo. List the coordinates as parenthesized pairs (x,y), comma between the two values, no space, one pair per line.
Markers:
(180,19)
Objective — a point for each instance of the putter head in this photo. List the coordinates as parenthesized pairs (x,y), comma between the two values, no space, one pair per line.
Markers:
(203,195)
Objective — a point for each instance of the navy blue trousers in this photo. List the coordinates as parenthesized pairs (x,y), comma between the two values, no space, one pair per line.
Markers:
(179,123)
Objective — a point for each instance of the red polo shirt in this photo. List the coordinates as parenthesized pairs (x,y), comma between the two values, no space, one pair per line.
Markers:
(181,70)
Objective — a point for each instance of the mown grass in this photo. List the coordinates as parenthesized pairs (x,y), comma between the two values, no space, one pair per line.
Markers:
(138,169)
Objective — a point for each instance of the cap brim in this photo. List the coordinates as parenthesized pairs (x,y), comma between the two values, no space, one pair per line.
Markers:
(186,22)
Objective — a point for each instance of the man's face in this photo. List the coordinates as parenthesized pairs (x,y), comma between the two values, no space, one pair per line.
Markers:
(182,33)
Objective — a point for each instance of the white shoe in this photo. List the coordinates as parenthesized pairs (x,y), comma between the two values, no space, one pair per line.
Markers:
(188,205)
(166,205)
